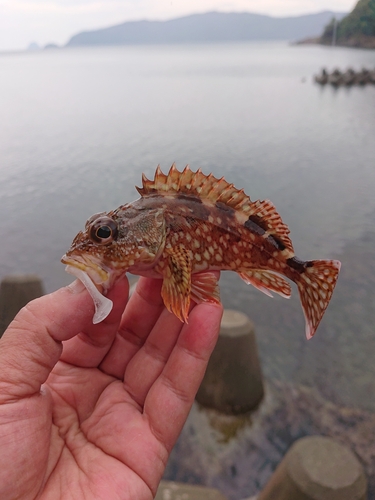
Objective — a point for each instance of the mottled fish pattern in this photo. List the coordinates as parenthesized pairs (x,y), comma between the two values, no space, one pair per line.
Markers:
(186,224)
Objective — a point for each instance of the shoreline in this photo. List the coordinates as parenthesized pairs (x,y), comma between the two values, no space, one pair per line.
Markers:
(361,42)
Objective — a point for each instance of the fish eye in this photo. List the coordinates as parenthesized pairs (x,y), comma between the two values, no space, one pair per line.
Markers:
(103,230)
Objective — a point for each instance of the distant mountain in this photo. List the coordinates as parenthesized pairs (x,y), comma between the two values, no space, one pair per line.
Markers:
(356,29)
(209,27)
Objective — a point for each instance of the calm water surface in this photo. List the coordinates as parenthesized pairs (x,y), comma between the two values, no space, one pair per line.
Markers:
(78,127)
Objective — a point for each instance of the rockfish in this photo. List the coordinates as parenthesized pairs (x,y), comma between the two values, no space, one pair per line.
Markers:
(185,225)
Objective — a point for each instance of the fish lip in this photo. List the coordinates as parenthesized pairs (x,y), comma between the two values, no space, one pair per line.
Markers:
(98,274)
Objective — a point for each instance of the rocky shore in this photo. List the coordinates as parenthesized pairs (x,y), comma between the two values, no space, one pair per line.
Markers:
(237,454)
(358,42)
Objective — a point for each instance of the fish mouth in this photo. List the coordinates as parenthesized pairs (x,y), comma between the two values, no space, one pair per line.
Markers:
(95,278)
(99,274)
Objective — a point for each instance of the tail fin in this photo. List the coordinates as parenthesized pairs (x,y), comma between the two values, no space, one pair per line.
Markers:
(315,286)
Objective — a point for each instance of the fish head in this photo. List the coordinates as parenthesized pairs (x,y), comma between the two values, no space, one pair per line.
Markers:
(127,239)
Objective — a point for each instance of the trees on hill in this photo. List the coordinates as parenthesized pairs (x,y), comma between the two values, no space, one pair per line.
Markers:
(356,29)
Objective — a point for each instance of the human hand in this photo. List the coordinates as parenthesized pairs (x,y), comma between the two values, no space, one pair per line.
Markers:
(93,411)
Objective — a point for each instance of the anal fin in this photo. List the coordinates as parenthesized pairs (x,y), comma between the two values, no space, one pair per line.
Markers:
(266,282)
(205,288)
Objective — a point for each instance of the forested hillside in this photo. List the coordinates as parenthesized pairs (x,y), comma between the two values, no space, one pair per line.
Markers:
(356,29)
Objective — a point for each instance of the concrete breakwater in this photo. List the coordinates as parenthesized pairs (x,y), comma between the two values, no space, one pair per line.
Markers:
(242,429)
(347,78)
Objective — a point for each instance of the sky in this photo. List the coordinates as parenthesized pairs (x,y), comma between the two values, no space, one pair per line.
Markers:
(55,21)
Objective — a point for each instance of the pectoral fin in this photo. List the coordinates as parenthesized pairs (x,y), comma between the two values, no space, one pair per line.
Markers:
(205,288)
(266,281)
(176,286)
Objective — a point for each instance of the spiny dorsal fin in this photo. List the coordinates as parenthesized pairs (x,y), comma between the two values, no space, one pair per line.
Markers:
(215,190)
(194,184)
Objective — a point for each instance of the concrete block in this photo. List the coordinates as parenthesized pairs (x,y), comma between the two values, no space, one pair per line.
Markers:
(233,382)
(16,292)
(317,468)
(169,490)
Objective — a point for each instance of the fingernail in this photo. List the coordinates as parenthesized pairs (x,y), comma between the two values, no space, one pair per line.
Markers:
(76,287)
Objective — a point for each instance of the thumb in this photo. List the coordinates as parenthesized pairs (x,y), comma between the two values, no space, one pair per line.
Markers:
(32,344)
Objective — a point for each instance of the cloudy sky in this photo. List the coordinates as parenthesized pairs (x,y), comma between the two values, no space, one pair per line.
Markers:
(45,21)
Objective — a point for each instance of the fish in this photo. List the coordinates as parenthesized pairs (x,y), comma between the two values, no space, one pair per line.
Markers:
(184,226)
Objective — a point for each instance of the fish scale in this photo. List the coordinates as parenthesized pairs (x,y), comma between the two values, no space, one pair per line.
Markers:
(186,225)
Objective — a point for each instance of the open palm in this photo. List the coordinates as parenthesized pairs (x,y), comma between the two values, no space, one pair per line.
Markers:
(93,411)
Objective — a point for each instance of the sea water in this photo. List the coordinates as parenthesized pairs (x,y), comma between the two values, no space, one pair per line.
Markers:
(79,126)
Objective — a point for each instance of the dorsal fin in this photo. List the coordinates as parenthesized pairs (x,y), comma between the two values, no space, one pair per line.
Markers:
(215,190)
(194,184)
(271,221)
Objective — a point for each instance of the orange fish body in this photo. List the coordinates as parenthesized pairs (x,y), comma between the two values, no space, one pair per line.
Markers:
(186,224)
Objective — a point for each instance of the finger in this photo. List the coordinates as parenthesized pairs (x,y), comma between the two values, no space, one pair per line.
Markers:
(171,396)
(148,363)
(89,347)
(31,345)
(141,313)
